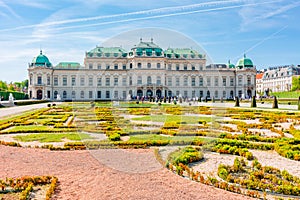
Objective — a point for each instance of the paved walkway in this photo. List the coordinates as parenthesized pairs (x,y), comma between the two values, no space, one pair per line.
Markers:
(4,112)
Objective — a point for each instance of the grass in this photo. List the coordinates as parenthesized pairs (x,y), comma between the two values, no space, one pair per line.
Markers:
(293,94)
(154,137)
(173,118)
(43,137)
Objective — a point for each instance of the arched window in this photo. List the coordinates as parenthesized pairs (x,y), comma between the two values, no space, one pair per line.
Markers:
(148,65)
(64,94)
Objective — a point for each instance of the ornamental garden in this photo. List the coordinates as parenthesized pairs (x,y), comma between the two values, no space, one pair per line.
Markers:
(252,151)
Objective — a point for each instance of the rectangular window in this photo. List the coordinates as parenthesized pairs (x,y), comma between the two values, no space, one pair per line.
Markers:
(185,93)
(231,81)
(224,94)
(193,81)
(158,65)
(208,81)
(240,80)
(177,93)
(224,81)
(65,81)
(185,81)
(200,81)
(216,81)
(48,80)
(130,80)
(193,93)
(169,81)
(124,67)
(116,81)
(90,81)
(116,67)
(99,94)
(201,93)
(99,66)
(107,94)
(169,67)
(177,67)
(39,80)
(107,81)
(124,81)
(107,66)
(185,67)
(124,94)
(177,81)
(216,94)
(82,81)
(139,80)
(240,93)
(90,94)
(99,81)
(116,95)
(55,81)
(249,80)
(82,94)
(73,81)
(158,80)
(90,66)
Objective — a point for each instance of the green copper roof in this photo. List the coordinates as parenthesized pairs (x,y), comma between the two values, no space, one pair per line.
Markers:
(107,52)
(230,65)
(244,62)
(68,65)
(148,48)
(41,60)
(182,52)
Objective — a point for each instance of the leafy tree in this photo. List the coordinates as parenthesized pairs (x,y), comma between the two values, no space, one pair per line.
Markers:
(296,83)
(3,85)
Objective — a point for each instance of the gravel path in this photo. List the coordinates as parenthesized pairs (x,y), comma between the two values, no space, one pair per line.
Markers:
(272,158)
(4,112)
(81,176)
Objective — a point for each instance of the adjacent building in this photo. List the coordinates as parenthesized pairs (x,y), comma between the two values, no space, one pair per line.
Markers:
(277,79)
(146,70)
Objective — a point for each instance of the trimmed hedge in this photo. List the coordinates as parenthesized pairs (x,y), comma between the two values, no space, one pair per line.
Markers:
(16,95)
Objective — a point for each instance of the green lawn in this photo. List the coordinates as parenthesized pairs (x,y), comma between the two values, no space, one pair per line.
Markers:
(294,94)
(173,118)
(44,137)
(154,137)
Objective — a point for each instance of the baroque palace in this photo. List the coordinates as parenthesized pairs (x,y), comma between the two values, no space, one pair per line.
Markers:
(146,70)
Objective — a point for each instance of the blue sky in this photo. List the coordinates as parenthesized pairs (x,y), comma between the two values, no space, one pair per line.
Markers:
(267,31)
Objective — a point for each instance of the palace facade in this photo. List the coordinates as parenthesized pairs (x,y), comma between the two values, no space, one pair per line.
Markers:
(146,70)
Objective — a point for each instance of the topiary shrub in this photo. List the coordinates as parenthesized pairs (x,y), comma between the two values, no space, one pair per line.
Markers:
(253,102)
(275,102)
(237,102)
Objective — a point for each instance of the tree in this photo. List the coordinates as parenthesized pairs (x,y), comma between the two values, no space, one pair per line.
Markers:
(3,85)
(296,83)
(253,102)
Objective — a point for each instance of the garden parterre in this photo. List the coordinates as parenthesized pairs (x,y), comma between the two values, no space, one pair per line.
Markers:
(201,126)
